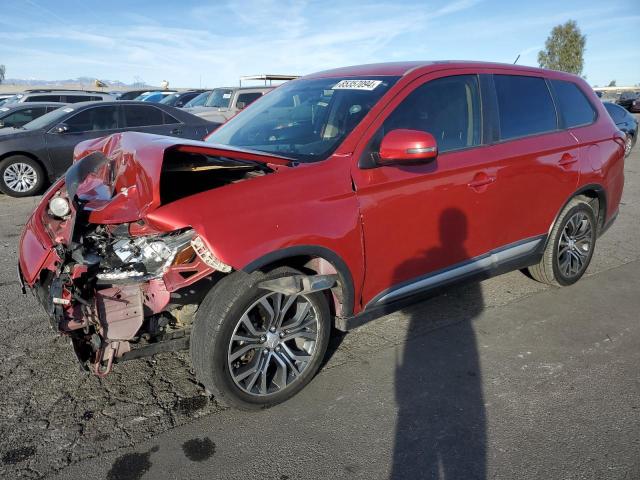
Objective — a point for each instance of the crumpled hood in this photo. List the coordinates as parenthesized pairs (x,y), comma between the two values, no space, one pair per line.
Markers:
(116,179)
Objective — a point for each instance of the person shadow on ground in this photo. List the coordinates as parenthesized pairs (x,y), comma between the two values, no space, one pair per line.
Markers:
(440,430)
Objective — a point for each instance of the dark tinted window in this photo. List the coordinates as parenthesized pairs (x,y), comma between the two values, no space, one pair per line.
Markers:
(448,108)
(247,98)
(96,118)
(574,106)
(616,112)
(525,106)
(22,117)
(142,116)
(170,120)
(44,98)
(79,98)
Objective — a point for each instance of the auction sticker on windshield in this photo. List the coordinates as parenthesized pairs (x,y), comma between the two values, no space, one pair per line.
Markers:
(357,84)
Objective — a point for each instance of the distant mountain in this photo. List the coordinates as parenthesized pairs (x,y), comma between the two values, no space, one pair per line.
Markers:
(85,81)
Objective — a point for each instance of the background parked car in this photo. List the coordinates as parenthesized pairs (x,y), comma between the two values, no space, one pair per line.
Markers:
(20,114)
(61,96)
(179,99)
(224,103)
(200,100)
(131,94)
(4,97)
(625,122)
(155,96)
(630,101)
(43,149)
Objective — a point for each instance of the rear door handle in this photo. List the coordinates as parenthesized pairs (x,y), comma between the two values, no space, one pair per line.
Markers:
(567,159)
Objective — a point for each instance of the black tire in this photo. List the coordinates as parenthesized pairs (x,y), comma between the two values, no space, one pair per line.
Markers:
(549,269)
(216,320)
(628,145)
(35,170)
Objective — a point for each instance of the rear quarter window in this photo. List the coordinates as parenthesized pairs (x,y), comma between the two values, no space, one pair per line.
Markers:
(525,106)
(574,106)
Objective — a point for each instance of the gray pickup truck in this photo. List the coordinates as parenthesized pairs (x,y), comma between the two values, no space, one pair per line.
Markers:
(224,103)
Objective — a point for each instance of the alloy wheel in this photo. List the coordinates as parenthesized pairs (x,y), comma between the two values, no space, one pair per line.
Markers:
(273,343)
(575,245)
(20,177)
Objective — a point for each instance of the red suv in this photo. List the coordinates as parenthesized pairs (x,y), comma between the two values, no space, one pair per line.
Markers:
(336,198)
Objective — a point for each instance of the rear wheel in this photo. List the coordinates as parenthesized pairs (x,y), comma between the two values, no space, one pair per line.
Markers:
(20,176)
(254,348)
(570,246)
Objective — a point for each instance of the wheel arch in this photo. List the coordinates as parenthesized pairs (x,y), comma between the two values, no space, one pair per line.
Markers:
(593,192)
(318,259)
(28,155)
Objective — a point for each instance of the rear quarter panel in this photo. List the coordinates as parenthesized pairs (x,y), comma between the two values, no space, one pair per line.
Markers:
(602,162)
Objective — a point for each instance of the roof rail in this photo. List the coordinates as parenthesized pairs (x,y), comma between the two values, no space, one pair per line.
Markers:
(269,78)
(47,90)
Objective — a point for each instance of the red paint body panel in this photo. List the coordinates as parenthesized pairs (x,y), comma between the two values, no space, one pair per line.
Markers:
(388,224)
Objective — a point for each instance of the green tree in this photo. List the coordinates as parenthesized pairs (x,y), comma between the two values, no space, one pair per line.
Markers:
(564,49)
(612,83)
(3,70)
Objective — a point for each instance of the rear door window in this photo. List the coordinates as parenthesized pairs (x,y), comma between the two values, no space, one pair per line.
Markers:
(573,104)
(525,106)
(94,119)
(78,98)
(447,108)
(24,116)
(142,116)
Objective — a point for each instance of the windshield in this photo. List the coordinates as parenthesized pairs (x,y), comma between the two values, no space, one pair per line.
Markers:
(13,99)
(198,101)
(48,118)
(171,99)
(304,119)
(219,98)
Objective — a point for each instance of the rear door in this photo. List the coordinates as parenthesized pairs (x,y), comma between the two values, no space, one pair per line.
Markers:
(92,122)
(537,159)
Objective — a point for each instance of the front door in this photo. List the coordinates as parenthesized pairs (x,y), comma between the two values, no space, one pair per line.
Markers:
(92,122)
(427,218)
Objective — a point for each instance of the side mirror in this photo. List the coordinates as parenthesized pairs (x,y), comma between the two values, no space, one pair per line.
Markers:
(240,105)
(62,128)
(2,125)
(406,146)
(179,104)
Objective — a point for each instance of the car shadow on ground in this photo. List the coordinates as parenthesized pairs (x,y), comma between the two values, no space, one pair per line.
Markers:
(440,430)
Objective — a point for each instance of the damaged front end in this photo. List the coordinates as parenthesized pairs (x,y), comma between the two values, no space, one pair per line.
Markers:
(118,286)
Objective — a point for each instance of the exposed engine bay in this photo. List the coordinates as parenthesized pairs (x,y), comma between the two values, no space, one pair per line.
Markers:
(118,286)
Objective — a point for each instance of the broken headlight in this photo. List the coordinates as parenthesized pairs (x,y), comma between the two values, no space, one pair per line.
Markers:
(145,257)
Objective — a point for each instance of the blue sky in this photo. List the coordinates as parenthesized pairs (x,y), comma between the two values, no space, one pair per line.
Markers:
(212,43)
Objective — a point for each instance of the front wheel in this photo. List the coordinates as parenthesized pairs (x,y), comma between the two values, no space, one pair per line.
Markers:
(254,348)
(20,176)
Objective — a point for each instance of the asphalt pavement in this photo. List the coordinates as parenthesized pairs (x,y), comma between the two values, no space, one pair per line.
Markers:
(501,379)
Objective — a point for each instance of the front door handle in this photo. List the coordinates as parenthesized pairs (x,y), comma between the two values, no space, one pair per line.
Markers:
(567,159)
(481,180)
